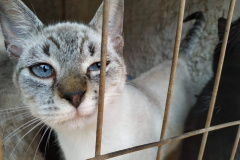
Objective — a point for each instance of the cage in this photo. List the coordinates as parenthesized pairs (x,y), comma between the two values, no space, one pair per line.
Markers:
(162,141)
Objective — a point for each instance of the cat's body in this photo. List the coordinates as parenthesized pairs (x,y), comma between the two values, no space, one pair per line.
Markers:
(135,115)
(57,76)
(227,107)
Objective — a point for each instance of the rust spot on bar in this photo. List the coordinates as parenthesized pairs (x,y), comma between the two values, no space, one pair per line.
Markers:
(218,77)
(173,73)
(106,8)
(164,142)
(235,144)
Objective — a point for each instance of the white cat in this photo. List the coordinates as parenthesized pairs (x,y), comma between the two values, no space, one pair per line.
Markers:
(57,75)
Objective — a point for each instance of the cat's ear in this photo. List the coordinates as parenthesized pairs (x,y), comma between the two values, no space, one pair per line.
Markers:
(115,28)
(18,23)
(221,27)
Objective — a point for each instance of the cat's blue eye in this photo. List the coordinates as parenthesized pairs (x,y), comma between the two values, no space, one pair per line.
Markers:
(96,66)
(42,70)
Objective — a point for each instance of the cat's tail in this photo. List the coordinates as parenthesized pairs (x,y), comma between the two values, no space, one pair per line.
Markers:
(188,43)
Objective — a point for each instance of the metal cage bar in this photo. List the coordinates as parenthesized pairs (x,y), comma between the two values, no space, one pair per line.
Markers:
(164,142)
(235,144)
(1,152)
(106,8)
(173,73)
(218,77)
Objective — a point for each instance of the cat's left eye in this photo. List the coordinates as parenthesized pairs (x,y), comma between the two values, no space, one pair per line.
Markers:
(42,70)
(96,66)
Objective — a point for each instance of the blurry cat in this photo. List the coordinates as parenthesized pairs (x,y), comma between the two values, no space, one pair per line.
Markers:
(227,108)
(57,72)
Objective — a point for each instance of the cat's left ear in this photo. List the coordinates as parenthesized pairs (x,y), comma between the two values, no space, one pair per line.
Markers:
(115,29)
(18,23)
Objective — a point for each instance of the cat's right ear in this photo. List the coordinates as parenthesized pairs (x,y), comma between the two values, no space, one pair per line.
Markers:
(18,23)
(115,25)
(221,27)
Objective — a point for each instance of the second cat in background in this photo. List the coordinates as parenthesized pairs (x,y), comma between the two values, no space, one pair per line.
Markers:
(227,107)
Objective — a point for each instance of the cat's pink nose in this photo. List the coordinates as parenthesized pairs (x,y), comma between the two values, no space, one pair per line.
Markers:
(75,98)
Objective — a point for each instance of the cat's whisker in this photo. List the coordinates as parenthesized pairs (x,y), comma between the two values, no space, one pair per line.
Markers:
(15,132)
(14,112)
(40,142)
(47,143)
(33,140)
(25,125)
(22,106)
(18,115)
(24,136)
(13,109)
(22,118)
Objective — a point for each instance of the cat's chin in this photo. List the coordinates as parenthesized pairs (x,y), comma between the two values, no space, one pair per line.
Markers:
(75,120)
(75,123)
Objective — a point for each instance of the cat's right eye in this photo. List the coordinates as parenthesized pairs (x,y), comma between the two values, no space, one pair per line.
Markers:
(42,70)
(96,66)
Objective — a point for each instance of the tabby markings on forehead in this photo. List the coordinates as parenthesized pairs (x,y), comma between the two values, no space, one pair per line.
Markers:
(91,48)
(54,41)
(46,48)
(84,39)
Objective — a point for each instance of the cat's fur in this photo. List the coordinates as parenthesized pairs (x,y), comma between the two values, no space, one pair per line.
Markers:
(133,114)
(227,108)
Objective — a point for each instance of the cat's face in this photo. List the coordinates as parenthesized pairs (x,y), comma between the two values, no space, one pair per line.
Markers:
(58,67)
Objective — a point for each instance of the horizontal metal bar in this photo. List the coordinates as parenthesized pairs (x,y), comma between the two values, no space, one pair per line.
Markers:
(164,142)
(173,73)
(218,77)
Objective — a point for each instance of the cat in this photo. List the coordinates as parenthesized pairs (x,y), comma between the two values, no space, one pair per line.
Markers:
(49,138)
(220,142)
(56,73)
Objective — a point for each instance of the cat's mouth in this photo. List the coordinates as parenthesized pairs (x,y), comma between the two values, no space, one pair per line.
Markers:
(78,120)
(82,112)
(65,115)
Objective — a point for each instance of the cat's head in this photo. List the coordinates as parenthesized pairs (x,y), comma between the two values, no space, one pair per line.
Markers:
(58,67)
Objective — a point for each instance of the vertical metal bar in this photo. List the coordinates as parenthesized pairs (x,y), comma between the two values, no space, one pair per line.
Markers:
(106,8)
(217,79)
(235,144)
(1,153)
(173,73)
